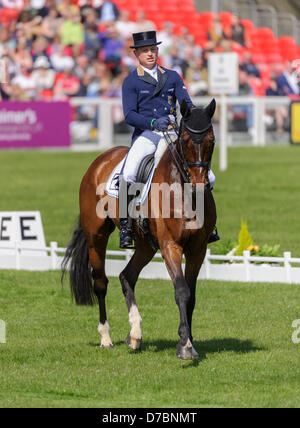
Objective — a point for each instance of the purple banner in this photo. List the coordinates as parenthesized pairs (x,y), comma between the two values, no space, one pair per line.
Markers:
(33,124)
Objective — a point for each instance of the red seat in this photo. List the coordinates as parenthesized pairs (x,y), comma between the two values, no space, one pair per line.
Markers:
(265,33)
(273,57)
(8,15)
(258,57)
(249,25)
(175,18)
(226,19)
(257,86)
(206,18)
(205,21)
(286,41)
(264,70)
(152,7)
(289,54)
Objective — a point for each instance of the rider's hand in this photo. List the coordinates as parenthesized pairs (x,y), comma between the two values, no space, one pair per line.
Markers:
(162,123)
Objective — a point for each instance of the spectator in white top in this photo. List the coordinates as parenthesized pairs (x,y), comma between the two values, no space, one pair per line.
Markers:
(108,11)
(144,24)
(166,37)
(43,75)
(38,4)
(25,83)
(124,26)
(13,4)
(60,61)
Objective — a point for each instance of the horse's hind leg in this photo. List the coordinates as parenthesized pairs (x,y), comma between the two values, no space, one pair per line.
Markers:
(97,259)
(128,277)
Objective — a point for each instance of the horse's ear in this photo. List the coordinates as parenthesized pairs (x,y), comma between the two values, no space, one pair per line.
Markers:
(184,108)
(211,108)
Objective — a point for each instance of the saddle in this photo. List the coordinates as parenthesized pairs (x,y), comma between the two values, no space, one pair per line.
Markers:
(144,176)
(145,169)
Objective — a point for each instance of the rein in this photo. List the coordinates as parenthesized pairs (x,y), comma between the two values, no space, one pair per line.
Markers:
(184,163)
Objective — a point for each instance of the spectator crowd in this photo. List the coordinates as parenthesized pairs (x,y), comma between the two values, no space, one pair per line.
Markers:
(54,50)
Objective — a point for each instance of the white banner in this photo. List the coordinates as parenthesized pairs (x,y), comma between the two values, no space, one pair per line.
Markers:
(24,228)
(223,76)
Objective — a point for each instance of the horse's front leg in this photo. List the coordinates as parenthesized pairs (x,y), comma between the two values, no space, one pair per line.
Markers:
(194,258)
(172,254)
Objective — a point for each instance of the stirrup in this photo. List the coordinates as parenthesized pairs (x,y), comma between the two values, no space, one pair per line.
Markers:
(214,237)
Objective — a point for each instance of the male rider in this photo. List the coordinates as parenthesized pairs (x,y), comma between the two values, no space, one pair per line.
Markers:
(149,96)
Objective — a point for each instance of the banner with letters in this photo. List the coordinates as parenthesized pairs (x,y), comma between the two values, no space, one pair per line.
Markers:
(24,228)
(34,124)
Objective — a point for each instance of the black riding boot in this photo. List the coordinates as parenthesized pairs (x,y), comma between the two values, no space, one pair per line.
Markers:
(125,219)
(214,237)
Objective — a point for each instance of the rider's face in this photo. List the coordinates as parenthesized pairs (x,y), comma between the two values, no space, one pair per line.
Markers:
(147,56)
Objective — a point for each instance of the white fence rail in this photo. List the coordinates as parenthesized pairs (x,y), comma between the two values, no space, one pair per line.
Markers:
(244,268)
(258,106)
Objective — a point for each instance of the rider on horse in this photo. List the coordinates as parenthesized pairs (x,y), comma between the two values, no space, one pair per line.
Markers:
(149,97)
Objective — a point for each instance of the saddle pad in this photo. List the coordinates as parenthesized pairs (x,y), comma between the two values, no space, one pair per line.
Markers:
(113,180)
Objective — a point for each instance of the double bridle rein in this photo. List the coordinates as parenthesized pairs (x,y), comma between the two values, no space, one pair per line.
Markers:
(197,136)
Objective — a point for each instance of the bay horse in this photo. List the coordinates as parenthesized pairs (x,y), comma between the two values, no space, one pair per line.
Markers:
(187,160)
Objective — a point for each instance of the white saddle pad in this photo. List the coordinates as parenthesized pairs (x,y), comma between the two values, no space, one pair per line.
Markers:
(112,183)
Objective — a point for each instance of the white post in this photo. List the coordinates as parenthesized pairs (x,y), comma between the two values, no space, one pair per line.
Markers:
(105,125)
(256,121)
(287,265)
(223,133)
(207,264)
(246,255)
(53,253)
(128,255)
(215,6)
(261,134)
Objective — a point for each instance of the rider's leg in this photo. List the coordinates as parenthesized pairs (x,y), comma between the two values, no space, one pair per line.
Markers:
(214,237)
(140,148)
(212,178)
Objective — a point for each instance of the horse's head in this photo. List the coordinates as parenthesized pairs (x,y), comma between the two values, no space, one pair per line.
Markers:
(197,139)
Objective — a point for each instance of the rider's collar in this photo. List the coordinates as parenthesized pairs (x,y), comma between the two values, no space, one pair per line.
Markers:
(152,72)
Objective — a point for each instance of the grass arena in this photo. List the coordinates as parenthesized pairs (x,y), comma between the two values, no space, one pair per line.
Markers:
(242,331)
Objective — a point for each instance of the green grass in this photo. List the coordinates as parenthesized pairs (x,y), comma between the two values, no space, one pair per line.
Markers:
(261,185)
(242,332)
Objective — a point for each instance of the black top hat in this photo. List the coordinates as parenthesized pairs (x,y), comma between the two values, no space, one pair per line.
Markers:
(146,38)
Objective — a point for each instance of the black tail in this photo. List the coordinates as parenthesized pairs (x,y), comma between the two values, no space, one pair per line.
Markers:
(77,261)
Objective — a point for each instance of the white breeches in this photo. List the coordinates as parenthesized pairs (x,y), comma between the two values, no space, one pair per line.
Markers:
(141,148)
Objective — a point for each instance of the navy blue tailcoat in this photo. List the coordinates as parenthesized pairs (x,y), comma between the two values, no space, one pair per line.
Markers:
(145,99)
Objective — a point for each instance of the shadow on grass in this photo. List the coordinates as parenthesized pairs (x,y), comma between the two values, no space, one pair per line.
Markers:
(204,347)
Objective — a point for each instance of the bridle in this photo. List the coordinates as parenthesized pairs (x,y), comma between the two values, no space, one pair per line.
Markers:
(197,136)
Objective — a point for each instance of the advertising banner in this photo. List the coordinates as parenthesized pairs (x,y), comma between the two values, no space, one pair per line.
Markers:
(295,123)
(34,124)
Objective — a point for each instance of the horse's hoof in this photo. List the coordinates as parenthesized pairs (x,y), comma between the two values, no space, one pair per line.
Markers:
(186,352)
(106,346)
(134,344)
(195,354)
